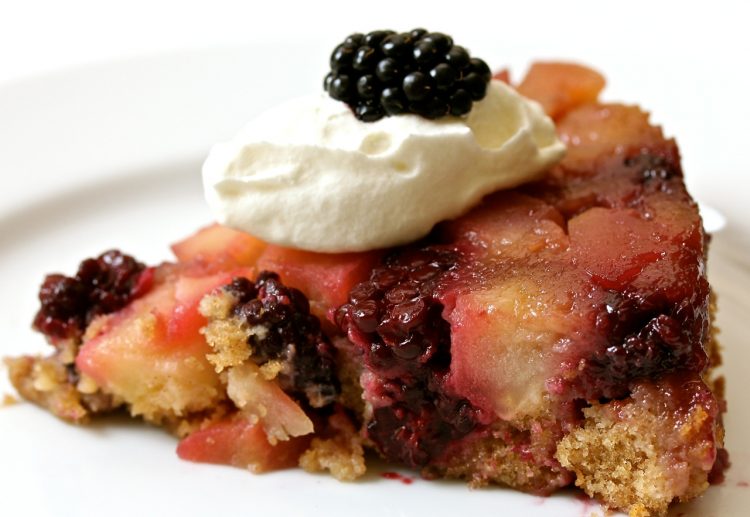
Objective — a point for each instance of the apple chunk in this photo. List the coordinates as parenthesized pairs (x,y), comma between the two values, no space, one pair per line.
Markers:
(504,344)
(559,87)
(269,432)
(263,399)
(243,444)
(218,247)
(325,278)
(151,354)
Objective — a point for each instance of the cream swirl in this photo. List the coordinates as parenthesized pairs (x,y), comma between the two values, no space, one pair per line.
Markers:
(307,174)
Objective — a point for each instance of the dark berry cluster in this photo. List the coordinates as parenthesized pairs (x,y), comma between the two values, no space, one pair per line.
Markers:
(386,73)
(292,335)
(398,311)
(395,318)
(647,338)
(100,286)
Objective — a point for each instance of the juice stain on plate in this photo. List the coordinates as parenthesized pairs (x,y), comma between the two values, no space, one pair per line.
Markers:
(398,477)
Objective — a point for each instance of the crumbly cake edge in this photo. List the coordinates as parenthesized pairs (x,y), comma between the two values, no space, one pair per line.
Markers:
(46,382)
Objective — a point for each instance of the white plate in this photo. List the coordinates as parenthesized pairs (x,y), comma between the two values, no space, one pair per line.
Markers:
(109,156)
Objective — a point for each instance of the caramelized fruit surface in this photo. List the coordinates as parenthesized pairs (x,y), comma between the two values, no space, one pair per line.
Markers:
(564,293)
(504,346)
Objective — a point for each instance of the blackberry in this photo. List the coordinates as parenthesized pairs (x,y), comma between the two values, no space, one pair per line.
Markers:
(648,337)
(100,286)
(395,319)
(386,73)
(293,336)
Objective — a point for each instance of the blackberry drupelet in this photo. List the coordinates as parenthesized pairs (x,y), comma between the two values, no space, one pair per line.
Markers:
(387,73)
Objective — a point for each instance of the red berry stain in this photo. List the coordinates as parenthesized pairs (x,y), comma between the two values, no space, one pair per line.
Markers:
(722,463)
(588,503)
(398,477)
(743,484)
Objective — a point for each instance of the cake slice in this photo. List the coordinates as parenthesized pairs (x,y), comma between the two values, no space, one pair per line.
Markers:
(558,333)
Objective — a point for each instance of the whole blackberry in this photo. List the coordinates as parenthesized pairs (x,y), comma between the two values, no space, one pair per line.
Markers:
(395,319)
(292,335)
(100,286)
(648,337)
(388,73)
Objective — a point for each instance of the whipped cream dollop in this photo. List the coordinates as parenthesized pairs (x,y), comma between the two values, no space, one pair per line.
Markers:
(307,174)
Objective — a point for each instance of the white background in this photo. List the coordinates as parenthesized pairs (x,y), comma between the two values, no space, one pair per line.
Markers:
(685,61)
(37,35)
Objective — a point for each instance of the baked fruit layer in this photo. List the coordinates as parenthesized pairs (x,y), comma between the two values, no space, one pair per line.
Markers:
(558,333)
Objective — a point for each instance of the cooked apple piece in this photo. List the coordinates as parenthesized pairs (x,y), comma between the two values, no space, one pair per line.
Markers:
(560,87)
(595,131)
(217,247)
(241,443)
(507,340)
(325,278)
(263,400)
(151,354)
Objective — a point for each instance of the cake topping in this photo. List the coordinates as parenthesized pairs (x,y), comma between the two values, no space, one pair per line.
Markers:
(309,175)
(385,73)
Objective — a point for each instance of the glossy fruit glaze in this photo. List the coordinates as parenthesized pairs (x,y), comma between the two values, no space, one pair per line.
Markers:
(564,292)
(575,290)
